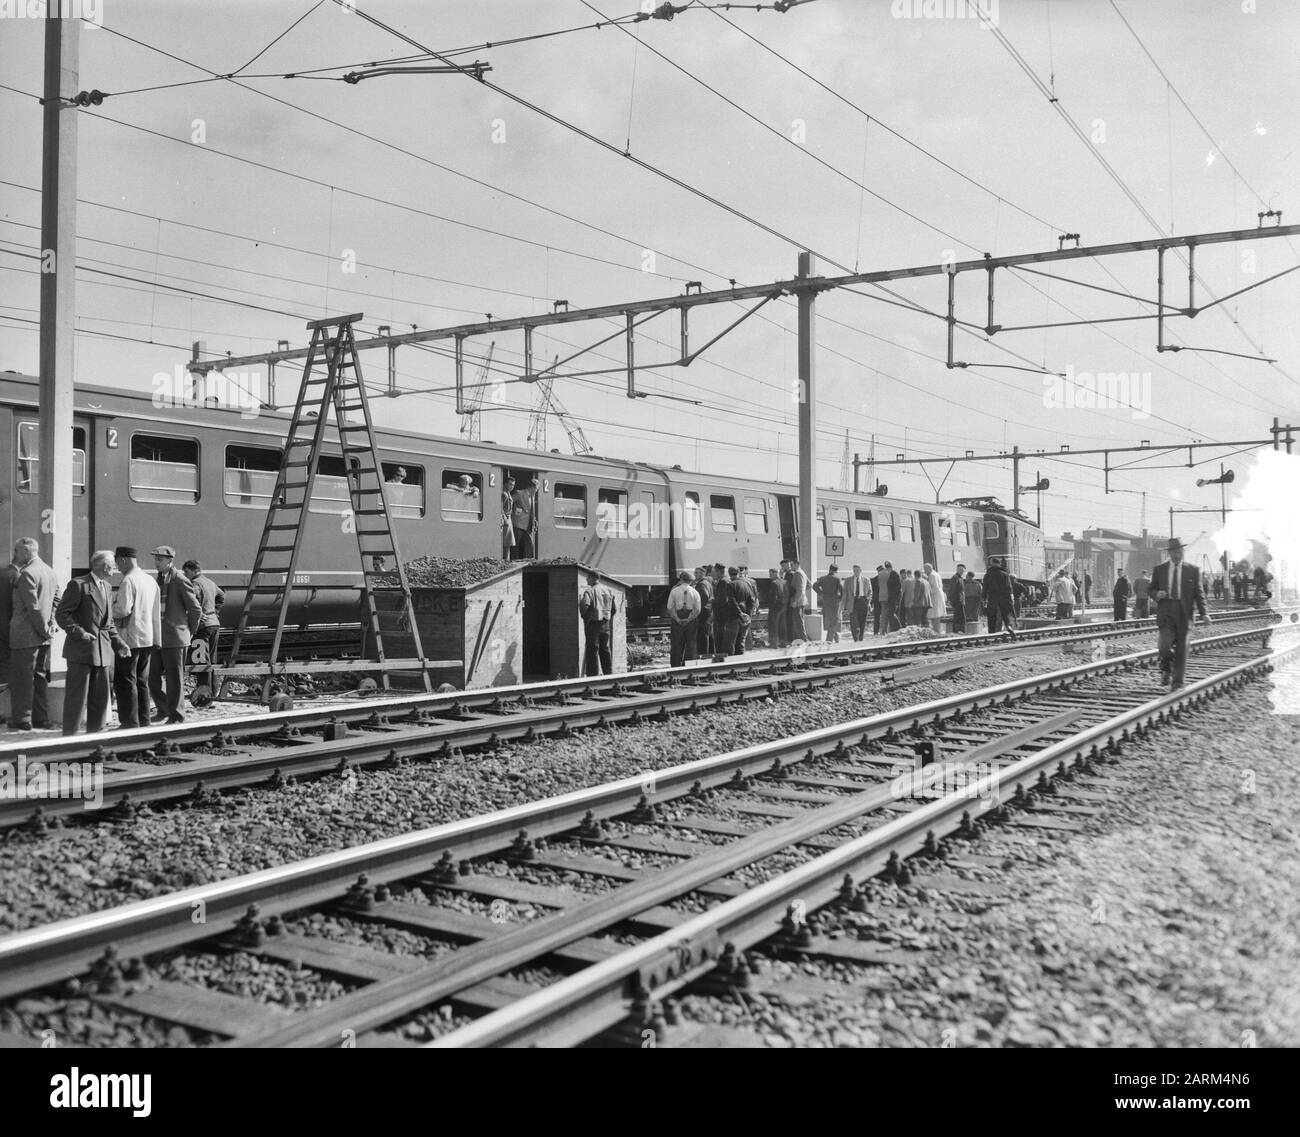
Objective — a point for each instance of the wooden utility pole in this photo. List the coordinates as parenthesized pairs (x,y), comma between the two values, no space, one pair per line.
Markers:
(807,394)
(58,297)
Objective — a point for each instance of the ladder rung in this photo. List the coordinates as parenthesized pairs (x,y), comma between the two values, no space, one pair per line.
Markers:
(272,528)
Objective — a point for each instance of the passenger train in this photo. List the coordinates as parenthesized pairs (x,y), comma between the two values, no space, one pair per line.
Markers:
(200,479)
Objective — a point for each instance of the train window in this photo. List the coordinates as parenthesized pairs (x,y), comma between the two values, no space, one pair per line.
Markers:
(570,506)
(29,470)
(164,470)
(250,475)
(991,530)
(756,515)
(404,487)
(839,521)
(611,513)
(906,527)
(692,522)
(884,526)
(722,512)
(944,530)
(821,519)
(862,518)
(330,492)
(962,535)
(462,496)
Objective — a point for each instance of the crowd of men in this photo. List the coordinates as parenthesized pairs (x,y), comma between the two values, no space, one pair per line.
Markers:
(130,645)
(712,612)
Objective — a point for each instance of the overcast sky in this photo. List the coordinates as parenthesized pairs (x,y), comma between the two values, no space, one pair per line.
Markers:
(454,201)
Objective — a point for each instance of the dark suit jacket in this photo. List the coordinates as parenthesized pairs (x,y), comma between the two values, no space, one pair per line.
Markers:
(179,609)
(35,593)
(8,581)
(85,612)
(1190,592)
(894,586)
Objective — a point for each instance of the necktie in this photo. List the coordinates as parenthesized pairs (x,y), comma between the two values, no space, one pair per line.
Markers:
(1176,572)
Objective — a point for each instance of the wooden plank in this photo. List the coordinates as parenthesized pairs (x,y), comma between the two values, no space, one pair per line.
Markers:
(351,961)
(871,952)
(199,1009)
(762,809)
(828,783)
(482,884)
(949,882)
(643,843)
(1036,822)
(592,866)
(800,795)
(702,824)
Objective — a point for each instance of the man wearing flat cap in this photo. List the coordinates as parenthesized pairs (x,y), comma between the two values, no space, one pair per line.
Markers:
(1177,590)
(135,613)
(179,617)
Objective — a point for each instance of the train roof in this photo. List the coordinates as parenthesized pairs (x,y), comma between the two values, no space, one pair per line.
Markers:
(92,399)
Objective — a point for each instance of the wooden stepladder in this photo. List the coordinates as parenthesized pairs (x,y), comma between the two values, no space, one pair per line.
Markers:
(387,594)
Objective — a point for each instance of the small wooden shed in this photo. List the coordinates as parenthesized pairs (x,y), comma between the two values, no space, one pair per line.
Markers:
(478,621)
(554,638)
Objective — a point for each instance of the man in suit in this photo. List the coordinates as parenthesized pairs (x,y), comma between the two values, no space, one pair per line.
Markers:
(889,621)
(776,608)
(955,589)
(830,594)
(180,616)
(8,579)
(857,591)
(34,595)
(742,604)
(523,518)
(796,594)
(999,598)
(1177,589)
(1120,593)
(85,612)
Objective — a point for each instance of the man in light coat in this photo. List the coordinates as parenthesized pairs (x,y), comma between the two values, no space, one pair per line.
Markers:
(135,614)
(937,604)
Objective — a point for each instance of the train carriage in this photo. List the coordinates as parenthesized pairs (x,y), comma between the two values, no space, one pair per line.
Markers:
(212,472)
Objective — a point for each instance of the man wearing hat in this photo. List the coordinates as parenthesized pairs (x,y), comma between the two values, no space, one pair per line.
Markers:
(179,617)
(135,613)
(1177,589)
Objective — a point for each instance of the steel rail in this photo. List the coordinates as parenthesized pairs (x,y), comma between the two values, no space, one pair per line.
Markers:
(244,730)
(598,997)
(39,956)
(385,743)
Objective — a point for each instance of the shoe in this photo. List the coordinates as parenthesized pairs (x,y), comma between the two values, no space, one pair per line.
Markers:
(21,726)
(1164,678)
(162,717)
(175,718)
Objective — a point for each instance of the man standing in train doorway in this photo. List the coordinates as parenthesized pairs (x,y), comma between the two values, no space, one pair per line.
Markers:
(523,517)
(507,523)
(1177,589)
(597,606)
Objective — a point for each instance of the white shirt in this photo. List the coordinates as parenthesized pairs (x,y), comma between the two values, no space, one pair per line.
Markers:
(859,587)
(136,609)
(683,597)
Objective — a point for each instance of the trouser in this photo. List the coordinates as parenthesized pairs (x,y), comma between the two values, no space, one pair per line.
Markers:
(721,645)
(523,550)
(889,616)
(597,659)
(1141,608)
(876,609)
(776,627)
(831,623)
(858,619)
(1121,609)
(681,640)
(936,623)
(1064,611)
(87,691)
(1172,642)
(733,635)
(4,660)
(29,679)
(167,666)
(1000,613)
(916,615)
(704,635)
(958,619)
(794,629)
(131,687)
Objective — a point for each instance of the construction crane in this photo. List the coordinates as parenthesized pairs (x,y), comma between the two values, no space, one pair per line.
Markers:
(549,403)
(846,466)
(471,422)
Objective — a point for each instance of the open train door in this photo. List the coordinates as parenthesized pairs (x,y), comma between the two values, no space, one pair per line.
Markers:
(788,518)
(928,546)
(521,491)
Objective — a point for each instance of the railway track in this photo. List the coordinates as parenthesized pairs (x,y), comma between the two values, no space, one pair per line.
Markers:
(636,888)
(168,763)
